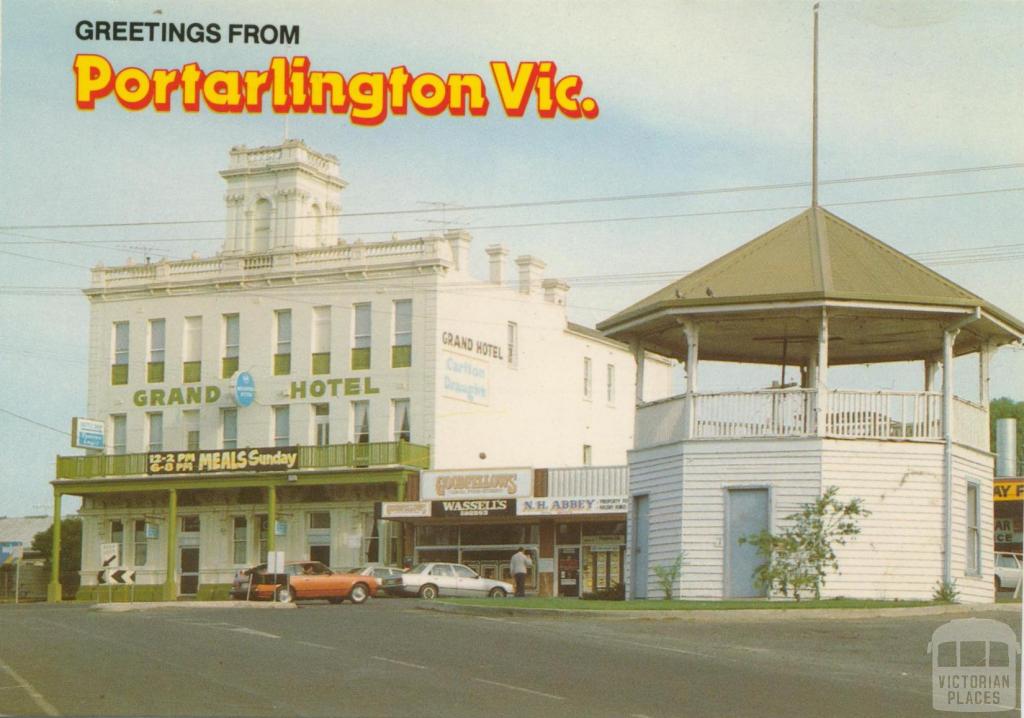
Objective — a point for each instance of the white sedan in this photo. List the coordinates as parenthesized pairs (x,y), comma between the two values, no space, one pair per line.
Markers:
(430,580)
(1007,571)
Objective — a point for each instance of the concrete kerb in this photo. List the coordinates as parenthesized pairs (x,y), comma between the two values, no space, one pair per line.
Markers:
(734,615)
(151,605)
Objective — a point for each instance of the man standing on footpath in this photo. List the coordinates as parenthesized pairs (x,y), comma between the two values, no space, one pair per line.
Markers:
(520,565)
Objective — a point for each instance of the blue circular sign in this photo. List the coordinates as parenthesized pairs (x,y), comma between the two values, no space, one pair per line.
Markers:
(245,389)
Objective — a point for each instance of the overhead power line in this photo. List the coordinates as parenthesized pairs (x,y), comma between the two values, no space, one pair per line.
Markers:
(550,203)
(33,421)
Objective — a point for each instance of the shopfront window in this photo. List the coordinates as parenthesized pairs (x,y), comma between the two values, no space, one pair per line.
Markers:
(437,536)
(500,535)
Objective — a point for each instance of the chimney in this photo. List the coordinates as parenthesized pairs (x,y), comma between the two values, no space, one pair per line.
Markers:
(459,240)
(497,254)
(530,269)
(555,291)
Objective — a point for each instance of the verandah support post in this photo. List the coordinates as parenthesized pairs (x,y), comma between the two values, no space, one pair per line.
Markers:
(53,591)
(821,378)
(170,586)
(692,332)
(948,337)
(638,357)
(271,518)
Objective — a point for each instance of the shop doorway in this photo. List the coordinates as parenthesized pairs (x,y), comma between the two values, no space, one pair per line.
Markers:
(569,571)
(747,512)
(189,562)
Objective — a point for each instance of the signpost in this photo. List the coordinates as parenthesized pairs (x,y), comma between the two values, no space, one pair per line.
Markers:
(11,552)
(275,566)
(110,557)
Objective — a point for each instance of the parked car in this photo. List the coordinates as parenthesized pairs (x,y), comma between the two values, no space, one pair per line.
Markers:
(430,580)
(1008,567)
(306,580)
(379,572)
(240,586)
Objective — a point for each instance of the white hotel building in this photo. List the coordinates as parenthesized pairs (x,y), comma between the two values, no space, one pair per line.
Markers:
(369,362)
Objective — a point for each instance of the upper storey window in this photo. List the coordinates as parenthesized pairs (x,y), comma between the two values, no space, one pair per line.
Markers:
(119,369)
(283,352)
(157,345)
(401,351)
(361,337)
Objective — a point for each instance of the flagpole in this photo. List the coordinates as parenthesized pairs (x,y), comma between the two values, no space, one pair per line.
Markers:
(814,115)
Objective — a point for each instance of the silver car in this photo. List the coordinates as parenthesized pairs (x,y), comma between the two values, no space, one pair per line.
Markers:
(1007,571)
(430,580)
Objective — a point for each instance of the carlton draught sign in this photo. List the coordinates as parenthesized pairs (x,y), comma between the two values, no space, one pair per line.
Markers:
(282,458)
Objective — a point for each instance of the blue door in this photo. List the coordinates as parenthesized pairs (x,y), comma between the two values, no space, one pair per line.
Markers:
(748,513)
(640,567)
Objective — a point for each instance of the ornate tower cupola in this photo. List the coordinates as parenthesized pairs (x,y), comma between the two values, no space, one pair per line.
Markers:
(281,197)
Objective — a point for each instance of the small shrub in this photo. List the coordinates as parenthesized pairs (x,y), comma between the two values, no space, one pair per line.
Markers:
(946,592)
(798,558)
(668,575)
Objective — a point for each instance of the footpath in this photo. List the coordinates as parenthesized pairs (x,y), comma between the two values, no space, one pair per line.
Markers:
(502,608)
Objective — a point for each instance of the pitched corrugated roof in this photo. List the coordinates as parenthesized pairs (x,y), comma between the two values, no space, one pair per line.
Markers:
(814,255)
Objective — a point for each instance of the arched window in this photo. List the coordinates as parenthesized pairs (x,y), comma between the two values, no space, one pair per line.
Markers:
(317,226)
(261,226)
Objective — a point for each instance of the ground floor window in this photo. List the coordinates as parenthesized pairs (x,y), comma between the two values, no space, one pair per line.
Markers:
(240,540)
(141,547)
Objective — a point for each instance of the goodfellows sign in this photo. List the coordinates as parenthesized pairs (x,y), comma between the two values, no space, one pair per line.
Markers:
(485,484)
(282,458)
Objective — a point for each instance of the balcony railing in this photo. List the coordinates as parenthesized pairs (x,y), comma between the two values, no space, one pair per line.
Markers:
(882,415)
(335,456)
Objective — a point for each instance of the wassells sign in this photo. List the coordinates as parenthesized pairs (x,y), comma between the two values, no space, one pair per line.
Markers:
(281,458)
(481,507)
(493,483)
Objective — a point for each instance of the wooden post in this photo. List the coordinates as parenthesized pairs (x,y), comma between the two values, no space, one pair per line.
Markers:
(170,586)
(692,332)
(53,590)
(821,378)
(639,358)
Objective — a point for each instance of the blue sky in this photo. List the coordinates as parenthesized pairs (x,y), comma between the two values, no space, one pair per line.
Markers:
(693,96)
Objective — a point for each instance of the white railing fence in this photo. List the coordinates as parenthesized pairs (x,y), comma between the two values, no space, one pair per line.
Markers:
(884,415)
(970,424)
(783,412)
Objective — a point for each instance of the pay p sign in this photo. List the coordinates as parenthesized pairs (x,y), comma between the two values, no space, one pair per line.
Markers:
(974,666)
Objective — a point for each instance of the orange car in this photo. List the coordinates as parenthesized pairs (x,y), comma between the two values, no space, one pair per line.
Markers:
(310,580)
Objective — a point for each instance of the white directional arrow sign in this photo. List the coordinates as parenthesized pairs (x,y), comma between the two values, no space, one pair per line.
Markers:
(119,576)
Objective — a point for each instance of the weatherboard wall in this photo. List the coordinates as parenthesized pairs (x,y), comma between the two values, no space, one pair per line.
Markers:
(897,555)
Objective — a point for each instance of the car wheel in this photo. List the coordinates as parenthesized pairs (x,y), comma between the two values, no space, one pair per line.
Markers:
(497,593)
(428,592)
(284,595)
(359,593)
(999,585)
